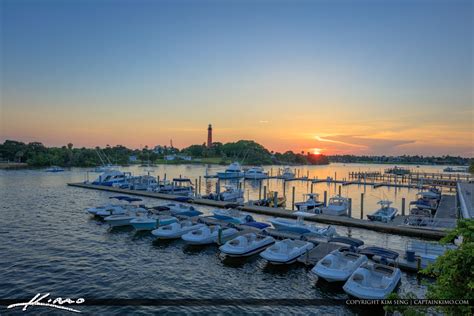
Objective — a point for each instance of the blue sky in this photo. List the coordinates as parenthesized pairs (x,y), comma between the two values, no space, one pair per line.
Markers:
(357,74)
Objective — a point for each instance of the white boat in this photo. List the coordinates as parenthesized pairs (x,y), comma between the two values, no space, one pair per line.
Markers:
(55,169)
(178,209)
(104,212)
(232,216)
(233,171)
(230,194)
(287,174)
(338,265)
(125,219)
(310,204)
(300,227)
(255,173)
(375,281)
(175,230)
(286,251)
(246,245)
(109,209)
(111,178)
(208,235)
(337,206)
(385,213)
(152,221)
(179,186)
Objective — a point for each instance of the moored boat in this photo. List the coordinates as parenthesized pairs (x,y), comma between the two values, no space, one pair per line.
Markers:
(337,206)
(208,235)
(338,265)
(300,227)
(286,251)
(232,216)
(255,173)
(233,171)
(310,204)
(175,230)
(246,245)
(385,213)
(152,221)
(373,281)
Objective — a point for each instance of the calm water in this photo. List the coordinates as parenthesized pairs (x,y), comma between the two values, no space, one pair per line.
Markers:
(49,245)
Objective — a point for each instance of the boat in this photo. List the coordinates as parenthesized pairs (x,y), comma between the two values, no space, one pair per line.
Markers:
(178,209)
(269,200)
(179,186)
(55,169)
(398,171)
(232,216)
(124,219)
(120,209)
(310,204)
(143,183)
(425,204)
(300,227)
(456,169)
(111,178)
(246,245)
(286,251)
(338,265)
(106,210)
(337,206)
(428,252)
(175,230)
(255,173)
(233,171)
(209,235)
(373,281)
(230,194)
(287,174)
(152,221)
(385,213)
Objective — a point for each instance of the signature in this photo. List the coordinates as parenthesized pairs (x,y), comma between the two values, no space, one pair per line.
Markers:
(43,300)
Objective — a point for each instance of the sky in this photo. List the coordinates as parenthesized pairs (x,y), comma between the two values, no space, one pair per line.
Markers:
(332,77)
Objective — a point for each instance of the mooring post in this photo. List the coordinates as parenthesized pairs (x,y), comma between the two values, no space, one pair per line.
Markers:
(165,177)
(199,187)
(158,180)
(260,190)
(265,192)
(218,187)
(195,187)
(293,199)
(312,187)
(362,206)
(403,206)
(275,199)
(325,198)
(271,172)
(339,190)
(350,207)
(335,175)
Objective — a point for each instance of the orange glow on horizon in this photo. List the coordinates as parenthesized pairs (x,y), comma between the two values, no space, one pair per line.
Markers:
(317,151)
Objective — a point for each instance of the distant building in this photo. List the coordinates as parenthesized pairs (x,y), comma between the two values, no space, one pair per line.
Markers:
(132,158)
(170,157)
(159,150)
(209,136)
(178,157)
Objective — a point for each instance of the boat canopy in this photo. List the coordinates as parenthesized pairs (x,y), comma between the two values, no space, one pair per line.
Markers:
(161,208)
(379,251)
(354,242)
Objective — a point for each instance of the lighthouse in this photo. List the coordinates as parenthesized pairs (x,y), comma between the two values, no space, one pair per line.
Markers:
(209,136)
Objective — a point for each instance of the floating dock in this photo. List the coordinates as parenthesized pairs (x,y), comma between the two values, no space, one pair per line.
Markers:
(389,228)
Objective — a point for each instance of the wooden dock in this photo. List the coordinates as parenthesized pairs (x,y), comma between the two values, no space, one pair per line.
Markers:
(389,228)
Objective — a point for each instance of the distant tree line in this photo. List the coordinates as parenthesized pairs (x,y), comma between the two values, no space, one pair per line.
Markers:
(405,159)
(252,153)
(247,152)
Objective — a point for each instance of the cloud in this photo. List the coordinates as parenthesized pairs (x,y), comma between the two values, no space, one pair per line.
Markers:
(359,144)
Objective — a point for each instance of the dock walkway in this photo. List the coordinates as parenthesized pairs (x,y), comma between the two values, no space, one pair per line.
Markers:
(390,228)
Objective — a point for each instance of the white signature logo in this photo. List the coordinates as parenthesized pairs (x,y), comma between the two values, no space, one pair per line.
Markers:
(56,303)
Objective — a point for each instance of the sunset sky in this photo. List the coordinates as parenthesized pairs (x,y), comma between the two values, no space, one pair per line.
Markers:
(343,76)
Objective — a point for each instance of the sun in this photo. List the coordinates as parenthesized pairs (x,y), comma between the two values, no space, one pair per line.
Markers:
(317,151)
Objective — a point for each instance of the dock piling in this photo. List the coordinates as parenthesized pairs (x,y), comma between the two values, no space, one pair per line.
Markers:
(362,206)
(293,199)
(260,190)
(339,190)
(199,187)
(312,187)
(403,206)
(350,207)
(275,199)
(264,191)
(325,198)
(195,187)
